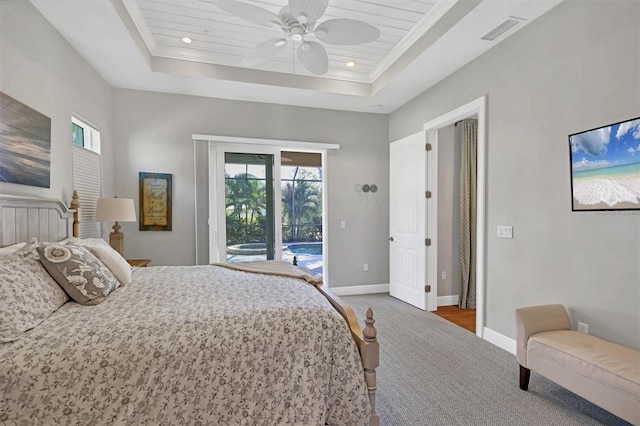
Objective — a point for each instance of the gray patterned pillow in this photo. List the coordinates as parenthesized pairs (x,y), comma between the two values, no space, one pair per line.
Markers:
(85,278)
(106,254)
(28,294)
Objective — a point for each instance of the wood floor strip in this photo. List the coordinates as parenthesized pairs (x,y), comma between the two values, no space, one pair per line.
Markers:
(465,318)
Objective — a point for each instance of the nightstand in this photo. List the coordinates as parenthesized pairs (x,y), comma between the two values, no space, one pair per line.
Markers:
(139,262)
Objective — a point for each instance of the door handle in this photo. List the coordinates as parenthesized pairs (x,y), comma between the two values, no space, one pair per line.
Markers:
(390,238)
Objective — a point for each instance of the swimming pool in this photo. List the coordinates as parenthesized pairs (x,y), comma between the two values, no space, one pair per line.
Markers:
(249,249)
(306,248)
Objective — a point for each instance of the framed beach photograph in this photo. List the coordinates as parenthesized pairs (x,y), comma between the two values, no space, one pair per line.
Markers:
(605,167)
(155,201)
(25,144)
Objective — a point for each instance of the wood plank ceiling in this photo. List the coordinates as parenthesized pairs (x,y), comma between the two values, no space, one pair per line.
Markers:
(223,39)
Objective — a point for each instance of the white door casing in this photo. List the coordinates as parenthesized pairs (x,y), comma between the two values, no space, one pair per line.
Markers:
(408,221)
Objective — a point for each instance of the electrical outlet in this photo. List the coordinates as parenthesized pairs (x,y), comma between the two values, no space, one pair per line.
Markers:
(444,275)
(583,328)
(366,267)
(343,224)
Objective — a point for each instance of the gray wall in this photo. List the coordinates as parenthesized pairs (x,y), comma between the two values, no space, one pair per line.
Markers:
(153,134)
(573,69)
(448,210)
(41,70)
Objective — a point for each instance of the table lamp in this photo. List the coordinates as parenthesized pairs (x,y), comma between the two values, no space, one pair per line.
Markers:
(116,210)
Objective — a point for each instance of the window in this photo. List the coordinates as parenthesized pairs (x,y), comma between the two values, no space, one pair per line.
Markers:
(85,135)
(87,175)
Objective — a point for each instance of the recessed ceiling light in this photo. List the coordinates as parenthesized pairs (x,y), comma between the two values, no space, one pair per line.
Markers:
(377,106)
(351,64)
(186,40)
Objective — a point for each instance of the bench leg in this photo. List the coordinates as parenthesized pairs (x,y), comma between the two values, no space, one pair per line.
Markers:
(525,374)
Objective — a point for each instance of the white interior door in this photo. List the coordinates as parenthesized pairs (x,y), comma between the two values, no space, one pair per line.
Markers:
(408,221)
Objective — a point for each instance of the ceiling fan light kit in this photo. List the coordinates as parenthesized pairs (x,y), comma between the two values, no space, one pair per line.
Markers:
(298,21)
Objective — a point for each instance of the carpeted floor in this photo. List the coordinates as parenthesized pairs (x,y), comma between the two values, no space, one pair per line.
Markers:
(433,372)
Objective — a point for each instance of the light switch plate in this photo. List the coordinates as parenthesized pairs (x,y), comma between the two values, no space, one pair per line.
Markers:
(505,231)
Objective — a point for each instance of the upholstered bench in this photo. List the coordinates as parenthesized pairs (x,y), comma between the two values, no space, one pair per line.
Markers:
(605,373)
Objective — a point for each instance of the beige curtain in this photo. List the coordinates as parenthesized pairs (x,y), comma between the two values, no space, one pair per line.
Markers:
(468,202)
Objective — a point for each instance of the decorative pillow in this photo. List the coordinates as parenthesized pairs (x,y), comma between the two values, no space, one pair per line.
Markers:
(28,294)
(82,275)
(114,261)
(11,249)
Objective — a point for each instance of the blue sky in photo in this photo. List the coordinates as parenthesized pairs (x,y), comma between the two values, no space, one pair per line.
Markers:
(609,146)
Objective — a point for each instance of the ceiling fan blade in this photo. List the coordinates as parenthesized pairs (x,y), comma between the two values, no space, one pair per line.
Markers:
(262,52)
(346,31)
(250,13)
(315,59)
(313,9)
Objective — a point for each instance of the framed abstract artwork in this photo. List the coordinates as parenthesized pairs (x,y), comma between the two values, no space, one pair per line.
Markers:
(25,144)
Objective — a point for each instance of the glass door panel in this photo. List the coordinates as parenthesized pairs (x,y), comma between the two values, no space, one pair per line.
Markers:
(301,183)
(249,207)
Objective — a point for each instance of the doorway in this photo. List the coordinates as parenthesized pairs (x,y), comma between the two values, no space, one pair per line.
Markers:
(250,200)
(450,161)
(241,186)
(475,109)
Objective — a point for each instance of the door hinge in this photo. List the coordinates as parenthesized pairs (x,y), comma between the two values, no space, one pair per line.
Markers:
(427,242)
(427,194)
(427,289)
(428,147)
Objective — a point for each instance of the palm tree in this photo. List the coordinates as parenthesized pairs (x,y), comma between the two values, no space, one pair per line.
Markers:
(245,206)
(302,202)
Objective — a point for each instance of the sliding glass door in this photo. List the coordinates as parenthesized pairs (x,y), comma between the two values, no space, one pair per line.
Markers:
(242,211)
(249,207)
(265,204)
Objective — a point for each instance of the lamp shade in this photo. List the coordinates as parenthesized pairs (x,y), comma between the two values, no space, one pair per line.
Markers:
(115,210)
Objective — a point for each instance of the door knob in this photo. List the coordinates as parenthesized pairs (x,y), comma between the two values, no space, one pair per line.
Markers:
(390,238)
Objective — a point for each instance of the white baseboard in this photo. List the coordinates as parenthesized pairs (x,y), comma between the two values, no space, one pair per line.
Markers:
(448,300)
(500,340)
(360,289)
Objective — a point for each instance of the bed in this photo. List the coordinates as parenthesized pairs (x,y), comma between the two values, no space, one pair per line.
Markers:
(181,345)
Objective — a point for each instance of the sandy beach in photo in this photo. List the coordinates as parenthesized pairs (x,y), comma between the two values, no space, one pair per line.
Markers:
(601,193)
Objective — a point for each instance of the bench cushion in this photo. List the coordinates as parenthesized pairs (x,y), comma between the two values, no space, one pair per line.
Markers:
(605,362)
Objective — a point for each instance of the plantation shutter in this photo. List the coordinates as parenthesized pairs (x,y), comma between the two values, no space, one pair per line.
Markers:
(87,180)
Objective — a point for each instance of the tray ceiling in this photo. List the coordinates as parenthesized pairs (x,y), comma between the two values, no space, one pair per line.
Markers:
(137,44)
(220,38)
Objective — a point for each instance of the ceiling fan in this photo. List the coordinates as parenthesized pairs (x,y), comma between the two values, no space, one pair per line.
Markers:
(298,22)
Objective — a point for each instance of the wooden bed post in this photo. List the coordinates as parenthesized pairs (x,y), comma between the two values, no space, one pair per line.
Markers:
(371,361)
(75,206)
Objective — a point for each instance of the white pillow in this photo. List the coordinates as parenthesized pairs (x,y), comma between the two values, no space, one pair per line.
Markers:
(11,249)
(112,260)
(84,242)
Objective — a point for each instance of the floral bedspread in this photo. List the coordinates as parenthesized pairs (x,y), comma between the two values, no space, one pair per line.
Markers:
(192,345)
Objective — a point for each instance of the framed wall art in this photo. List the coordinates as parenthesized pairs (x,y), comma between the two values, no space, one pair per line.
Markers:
(155,201)
(605,167)
(25,144)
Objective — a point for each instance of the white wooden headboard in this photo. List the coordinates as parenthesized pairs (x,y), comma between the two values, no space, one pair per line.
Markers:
(22,218)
